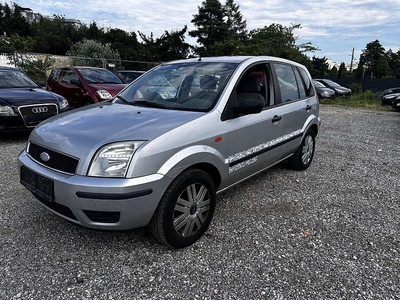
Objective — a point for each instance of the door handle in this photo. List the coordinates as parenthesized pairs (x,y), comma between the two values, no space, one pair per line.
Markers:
(308,107)
(276,118)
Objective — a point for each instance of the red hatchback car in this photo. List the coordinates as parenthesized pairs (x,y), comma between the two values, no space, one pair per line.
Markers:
(84,85)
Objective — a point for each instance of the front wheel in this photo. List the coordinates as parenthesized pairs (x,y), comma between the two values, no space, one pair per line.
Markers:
(87,101)
(303,156)
(185,210)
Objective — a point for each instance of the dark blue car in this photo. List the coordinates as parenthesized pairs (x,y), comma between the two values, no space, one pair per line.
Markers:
(23,103)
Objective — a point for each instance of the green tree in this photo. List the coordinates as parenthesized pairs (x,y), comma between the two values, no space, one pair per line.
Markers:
(280,41)
(92,53)
(236,37)
(125,43)
(12,21)
(210,27)
(371,58)
(92,32)
(394,63)
(333,72)
(234,20)
(342,70)
(54,36)
(169,46)
(319,67)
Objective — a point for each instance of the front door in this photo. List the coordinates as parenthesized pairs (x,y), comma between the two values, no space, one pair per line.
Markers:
(254,139)
(70,89)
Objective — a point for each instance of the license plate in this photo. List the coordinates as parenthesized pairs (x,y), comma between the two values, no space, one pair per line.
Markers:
(37,184)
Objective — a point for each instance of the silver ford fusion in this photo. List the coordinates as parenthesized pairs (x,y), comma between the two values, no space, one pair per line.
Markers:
(160,151)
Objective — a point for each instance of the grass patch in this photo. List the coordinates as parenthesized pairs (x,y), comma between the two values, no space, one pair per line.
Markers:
(364,100)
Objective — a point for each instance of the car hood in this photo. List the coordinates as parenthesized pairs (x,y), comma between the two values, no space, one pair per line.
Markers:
(81,132)
(112,88)
(26,96)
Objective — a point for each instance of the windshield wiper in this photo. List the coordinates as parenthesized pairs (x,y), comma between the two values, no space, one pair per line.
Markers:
(148,104)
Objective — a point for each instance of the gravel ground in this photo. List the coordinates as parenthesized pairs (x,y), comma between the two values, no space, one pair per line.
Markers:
(331,232)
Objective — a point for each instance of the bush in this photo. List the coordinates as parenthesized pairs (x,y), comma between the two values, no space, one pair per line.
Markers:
(364,100)
(356,88)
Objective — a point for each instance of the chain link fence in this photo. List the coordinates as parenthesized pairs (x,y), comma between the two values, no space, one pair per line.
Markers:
(18,60)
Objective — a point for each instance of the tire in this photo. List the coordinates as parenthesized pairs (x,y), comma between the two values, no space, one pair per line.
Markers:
(181,219)
(303,156)
(87,101)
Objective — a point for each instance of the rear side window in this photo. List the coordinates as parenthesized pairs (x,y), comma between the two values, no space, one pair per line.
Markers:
(307,83)
(286,82)
(300,84)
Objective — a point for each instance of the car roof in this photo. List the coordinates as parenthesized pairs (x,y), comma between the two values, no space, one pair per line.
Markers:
(79,67)
(10,68)
(233,59)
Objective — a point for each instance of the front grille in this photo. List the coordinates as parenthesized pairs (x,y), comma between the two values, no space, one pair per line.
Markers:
(34,114)
(102,216)
(57,207)
(57,161)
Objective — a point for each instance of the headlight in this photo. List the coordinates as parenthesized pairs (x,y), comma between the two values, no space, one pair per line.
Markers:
(63,104)
(113,160)
(326,94)
(6,111)
(104,95)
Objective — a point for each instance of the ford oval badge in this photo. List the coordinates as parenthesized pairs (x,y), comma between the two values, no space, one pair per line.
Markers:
(44,156)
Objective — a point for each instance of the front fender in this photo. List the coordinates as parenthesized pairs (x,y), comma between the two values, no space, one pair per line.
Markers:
(194,155)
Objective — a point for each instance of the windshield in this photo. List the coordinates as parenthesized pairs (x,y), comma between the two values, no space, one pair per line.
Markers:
(184,86)
(15,79)
(332,83)
(319,84)
(99,76)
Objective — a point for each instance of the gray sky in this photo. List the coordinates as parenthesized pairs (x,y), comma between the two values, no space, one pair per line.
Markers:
(334,26)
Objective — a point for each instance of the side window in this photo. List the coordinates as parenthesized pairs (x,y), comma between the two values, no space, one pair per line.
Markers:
(55,74)
(69,75)
(300,84)
(307,83)
(257,80)
(287,82)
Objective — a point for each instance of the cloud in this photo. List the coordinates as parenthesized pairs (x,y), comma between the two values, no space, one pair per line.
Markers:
(330,24)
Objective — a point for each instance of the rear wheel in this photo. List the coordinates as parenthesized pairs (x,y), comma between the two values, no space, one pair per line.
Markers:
(185,210)
(303,156)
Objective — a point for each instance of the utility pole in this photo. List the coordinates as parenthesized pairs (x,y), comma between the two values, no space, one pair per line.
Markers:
(351,62)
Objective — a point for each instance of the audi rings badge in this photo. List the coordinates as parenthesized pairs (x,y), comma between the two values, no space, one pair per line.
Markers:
(40,110)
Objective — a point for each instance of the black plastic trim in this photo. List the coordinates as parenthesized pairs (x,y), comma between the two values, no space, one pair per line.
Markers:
(113,196)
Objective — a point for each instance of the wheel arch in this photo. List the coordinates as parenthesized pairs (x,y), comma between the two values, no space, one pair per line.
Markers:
(211,171)
(314,128)
(87,97)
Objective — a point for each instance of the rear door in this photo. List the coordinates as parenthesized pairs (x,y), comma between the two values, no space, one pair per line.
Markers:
(298,103)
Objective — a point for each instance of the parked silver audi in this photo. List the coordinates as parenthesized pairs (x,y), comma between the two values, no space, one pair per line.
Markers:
(157,154)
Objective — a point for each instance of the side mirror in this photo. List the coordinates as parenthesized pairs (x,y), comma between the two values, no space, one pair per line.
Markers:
(247,107)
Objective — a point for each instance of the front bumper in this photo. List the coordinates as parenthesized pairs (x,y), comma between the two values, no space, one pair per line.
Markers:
(99,203)
(393,102)
(11,123)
